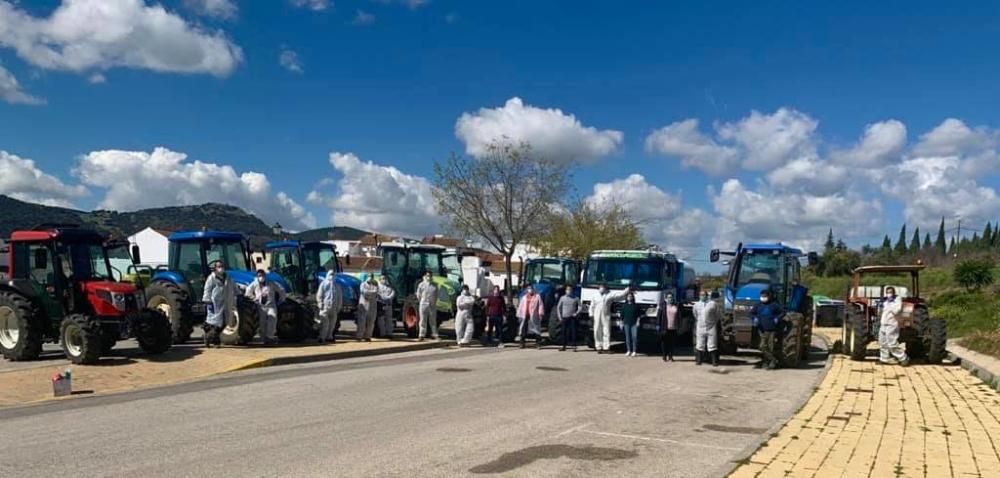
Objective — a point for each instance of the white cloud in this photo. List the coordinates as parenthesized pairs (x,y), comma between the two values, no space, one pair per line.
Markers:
(11,92)
(935,187)
(314,5)
(82,35)
(289,60)
(137,180)
(379,198)
(976,147)
(793,218)
(363,18)
(97,79)
(881,144)
(550,132)
(769,141)
(21,179)
(411,4)
(683,140)
(222,9)
(809,174)
(660,215)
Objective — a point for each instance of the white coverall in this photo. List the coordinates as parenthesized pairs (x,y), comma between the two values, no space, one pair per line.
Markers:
(266,297)
(888,332)
(463,319)
(330,300)
(221,296)
(367,310)
(387,294)
(600,314)
(707,315)
(427,295)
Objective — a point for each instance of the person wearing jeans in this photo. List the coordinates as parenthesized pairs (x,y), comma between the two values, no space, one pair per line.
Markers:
(630,319)
(567,310)
(495,306)
(667,327)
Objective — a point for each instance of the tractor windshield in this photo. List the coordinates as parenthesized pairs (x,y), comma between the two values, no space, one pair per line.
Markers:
(759,268)
(453,263)
(646,274)
(231,253)
(120,259)
(83,261)
(425,261)
(318,259)
(537,272)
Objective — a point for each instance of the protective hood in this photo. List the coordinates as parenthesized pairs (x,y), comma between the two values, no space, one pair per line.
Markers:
(751,291)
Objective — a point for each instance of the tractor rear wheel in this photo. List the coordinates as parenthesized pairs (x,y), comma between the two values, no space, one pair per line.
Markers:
(807,328)
(171,301)
(294,322)
(152,331)
(937,334)
(791,343)
(242,324)
(80,337)
(727,336)
(411,318)
(22,329)
(916,345)
(859,335)
(555,329)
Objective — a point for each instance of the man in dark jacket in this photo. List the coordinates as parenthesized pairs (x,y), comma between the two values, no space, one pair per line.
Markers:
(495,308)
(767,318)
(568,309)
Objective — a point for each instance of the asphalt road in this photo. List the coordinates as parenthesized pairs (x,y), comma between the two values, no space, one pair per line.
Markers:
(433,413)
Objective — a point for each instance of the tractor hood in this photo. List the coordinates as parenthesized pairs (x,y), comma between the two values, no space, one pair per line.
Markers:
(244,278)
(350,285)
(112,287)
(751,292)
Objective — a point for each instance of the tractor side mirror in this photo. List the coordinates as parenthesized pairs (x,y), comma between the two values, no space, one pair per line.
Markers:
(259,260)
(347,259)
(713,256)
(813,258)
(136,258)
(41,259)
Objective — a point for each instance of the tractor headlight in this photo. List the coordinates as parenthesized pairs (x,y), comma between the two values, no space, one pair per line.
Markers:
(651,312)
(742,308)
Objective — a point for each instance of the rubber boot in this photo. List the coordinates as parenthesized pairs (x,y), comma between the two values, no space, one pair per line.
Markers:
(715,358)
(697,357)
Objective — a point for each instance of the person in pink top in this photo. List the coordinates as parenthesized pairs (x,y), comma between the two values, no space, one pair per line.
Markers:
(530,311)
(667,327)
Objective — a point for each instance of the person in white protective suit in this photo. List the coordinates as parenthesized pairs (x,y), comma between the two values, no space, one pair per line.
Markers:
(220,294)
(386,295)
(329,299)
(888,330)
(707,315)
(600,316)
(463,319)
(367,309)
(266,296)
(427,294)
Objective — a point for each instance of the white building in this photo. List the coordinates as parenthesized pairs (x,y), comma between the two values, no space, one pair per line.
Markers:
(153,246)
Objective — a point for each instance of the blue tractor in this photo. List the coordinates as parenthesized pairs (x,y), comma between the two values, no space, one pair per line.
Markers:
(176,290)
(753,269)
(304,265)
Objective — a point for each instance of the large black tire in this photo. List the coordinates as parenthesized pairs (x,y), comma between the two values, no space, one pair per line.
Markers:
(555,329)
(791,343)
(807,328)
(174,303)
(411,317)
(510,324)
(22,337)
(916,345)
(109,338)
(846,337)
(152,331)
(727,336)
(80,337)
(859,335)
(242,325)
(294,321)
(937,334)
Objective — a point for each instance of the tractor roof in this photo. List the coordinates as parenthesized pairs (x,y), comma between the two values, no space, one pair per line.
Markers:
(68,234)
(282,245)
(195,236)
(889,269)
(418,247)
(551,260)
(634,254)
(772,246)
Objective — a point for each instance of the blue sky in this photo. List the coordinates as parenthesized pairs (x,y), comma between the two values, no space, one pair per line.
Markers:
(387,82)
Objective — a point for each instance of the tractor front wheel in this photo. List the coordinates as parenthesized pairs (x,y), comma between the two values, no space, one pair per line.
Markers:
(294,322)
(153,332)
(791,344)
(242,325)
(22,331)
(168,299)
(81,339)
(727,336)
(937,336)
(411,318)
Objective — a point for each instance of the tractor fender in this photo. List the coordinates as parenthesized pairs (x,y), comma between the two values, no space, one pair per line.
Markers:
(173,277)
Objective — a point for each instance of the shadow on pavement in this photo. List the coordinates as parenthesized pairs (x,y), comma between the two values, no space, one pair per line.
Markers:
(514,460)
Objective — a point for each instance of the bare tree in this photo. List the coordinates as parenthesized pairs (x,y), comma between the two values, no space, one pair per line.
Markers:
(502,197)
(586,227)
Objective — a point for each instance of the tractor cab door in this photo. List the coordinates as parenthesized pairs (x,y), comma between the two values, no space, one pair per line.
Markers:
(35,272)
(571,273)
(188,258)
(286,263)
(395,267)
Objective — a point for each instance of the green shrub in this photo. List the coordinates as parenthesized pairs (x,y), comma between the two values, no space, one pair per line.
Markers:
(974,274)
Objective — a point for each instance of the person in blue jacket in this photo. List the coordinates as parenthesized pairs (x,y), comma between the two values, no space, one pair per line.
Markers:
(767,319)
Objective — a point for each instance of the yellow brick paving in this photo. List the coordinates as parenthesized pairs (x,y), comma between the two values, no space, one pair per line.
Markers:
(872,420)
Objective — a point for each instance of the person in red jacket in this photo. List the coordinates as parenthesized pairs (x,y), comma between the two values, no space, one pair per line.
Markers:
(495,307)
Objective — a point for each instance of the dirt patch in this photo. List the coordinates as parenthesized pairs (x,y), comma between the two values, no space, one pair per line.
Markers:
(551,369)
(526,456)
(453,369)
(729,429)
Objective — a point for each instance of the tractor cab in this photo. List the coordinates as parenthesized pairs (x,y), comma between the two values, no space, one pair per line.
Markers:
(405,265)
(305,264)
(924,337)
(548,276)
(64,277)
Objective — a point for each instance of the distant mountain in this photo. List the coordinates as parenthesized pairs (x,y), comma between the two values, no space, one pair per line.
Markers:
(15,215)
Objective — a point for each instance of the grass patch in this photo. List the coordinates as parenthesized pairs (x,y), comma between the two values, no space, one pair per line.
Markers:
(985,342)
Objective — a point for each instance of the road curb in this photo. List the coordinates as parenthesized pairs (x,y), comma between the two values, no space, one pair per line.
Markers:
(973,362)
(334,355)
(744,455)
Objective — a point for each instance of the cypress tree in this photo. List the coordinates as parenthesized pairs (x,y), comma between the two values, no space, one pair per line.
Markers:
(951,248)
(927,242)
(829,240)
(901,242)
(987,239)
(915,242)
(886,243)
(940,243)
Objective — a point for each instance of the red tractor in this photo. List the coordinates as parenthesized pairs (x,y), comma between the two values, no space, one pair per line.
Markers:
(60,287)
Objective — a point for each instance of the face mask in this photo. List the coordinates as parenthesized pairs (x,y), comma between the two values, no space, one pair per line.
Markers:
(531,292)
(670,300)
(704,298)
(604,291)
(220,272)
(427,279)
(765,299)
(465,292)
(261,279)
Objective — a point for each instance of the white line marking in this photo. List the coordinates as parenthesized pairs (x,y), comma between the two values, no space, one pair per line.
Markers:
(663,440)
(575,429)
